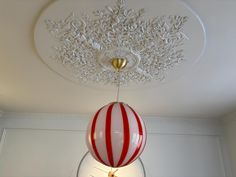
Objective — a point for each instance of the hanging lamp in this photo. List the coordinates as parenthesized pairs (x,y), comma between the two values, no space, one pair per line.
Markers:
(116,135)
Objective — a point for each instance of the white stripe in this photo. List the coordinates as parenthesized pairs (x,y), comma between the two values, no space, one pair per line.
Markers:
(117,135)
(100,134)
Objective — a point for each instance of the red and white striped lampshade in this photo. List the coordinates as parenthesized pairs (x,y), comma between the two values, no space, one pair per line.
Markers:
(116,135)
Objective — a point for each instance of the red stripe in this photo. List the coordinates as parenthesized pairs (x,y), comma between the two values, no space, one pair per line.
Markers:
(140,129)
(93,137)
(126,135)
(108,135)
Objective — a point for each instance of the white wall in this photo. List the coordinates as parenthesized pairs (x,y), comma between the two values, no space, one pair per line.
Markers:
(49,145)
(230,137)
(1,130)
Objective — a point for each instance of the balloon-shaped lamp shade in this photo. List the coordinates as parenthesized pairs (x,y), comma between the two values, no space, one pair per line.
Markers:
(116,135)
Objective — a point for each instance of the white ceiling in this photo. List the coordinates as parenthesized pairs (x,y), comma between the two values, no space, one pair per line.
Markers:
(208,89)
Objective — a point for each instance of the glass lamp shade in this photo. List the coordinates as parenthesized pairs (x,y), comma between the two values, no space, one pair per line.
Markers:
(116,135)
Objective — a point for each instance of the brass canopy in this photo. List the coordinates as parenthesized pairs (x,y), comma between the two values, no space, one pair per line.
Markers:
(118,63)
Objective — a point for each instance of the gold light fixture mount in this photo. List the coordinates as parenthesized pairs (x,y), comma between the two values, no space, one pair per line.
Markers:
(119,63)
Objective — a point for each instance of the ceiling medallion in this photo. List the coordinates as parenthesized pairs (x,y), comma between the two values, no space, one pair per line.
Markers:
(87,45)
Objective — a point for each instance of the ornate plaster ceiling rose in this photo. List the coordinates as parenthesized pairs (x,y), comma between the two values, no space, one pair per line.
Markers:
(81,47)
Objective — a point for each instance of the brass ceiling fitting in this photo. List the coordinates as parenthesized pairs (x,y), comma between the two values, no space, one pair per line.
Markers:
(119,63)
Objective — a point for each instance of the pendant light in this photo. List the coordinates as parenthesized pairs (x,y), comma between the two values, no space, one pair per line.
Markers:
(116,135)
